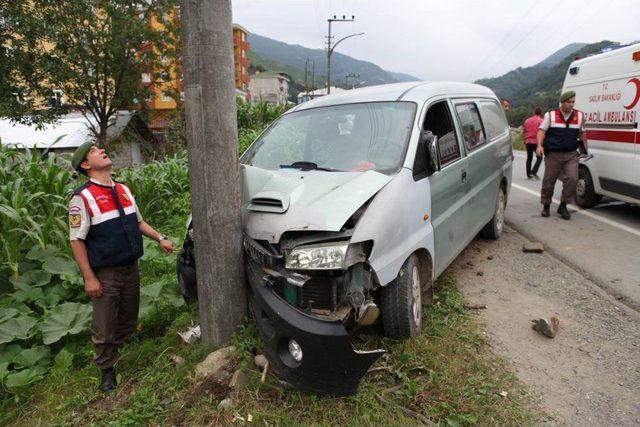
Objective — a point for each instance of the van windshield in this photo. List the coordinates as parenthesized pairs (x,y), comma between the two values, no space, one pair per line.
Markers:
(350,137)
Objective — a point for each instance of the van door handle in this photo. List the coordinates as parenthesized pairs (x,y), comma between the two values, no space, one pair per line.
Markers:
(464,176)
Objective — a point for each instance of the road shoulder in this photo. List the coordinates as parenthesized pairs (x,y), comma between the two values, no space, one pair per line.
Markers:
(587,374)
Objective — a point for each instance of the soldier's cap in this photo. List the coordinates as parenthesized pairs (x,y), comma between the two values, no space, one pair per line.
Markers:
(567,95)
(80,154)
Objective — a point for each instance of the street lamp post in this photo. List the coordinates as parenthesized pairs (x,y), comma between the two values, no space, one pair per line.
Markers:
(331,48)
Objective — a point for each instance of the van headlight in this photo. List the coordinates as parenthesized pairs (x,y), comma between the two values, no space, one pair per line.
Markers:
(318,257)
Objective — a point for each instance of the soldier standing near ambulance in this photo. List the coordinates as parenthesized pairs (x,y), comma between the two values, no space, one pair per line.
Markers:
(558,137)
(106,231)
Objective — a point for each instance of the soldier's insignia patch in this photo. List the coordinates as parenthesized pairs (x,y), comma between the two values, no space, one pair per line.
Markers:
(75,220)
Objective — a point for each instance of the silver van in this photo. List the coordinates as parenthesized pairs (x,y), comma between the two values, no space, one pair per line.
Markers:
(353,204)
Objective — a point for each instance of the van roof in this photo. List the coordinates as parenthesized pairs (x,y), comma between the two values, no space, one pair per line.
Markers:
(410,91)
(604,65)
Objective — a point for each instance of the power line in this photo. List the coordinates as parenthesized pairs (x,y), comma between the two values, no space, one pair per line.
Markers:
(574,29)
(535,27)
(505,38)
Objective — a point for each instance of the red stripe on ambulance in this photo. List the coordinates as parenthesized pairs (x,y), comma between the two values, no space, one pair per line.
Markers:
(628,137)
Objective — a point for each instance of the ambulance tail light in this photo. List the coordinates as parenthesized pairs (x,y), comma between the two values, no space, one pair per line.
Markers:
(636,55)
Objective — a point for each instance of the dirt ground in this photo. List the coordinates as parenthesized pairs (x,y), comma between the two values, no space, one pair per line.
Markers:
(589,374)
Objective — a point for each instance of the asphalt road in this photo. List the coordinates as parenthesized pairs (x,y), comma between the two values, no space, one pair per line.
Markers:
(602,243)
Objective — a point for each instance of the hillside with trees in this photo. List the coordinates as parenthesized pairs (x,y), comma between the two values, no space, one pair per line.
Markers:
(272,55)
(539,85)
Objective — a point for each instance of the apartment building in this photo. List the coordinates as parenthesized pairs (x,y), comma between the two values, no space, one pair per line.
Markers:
(241,60)
(162,105)
(269,87)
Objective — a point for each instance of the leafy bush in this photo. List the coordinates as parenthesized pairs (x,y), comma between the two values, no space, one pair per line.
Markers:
(39,284)
(44,313)
(258,115)
(252,120)
(161,189)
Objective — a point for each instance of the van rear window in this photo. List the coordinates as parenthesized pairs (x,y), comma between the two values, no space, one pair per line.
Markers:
(495,122)
(472,132)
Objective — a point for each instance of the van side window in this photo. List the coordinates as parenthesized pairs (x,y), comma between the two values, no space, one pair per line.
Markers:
(439,121)
(495,122)
(472,132)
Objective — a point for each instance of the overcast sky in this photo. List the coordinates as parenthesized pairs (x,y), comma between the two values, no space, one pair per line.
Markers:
(444,40)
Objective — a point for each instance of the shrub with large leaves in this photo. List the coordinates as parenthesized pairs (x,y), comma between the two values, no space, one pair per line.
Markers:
(69,318)
(43,311)
(20,327)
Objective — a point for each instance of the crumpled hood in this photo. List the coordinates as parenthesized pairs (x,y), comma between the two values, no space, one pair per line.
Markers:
(290,199)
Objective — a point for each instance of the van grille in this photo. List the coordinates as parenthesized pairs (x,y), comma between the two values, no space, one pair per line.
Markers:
(320,293)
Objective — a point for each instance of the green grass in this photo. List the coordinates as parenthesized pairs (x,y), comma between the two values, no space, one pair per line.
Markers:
(518,141)
(447,374)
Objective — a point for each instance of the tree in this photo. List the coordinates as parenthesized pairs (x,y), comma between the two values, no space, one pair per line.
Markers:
(213,166)
(89,55)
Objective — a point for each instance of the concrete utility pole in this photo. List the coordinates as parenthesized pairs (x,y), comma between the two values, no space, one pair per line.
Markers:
(212,137)
(306,73)
(331,48)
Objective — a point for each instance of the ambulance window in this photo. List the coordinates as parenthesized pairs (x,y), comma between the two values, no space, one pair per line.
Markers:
(438,121)
(471,125)
(495,122)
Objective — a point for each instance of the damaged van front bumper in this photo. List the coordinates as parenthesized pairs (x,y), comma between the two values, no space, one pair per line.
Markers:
(312,354)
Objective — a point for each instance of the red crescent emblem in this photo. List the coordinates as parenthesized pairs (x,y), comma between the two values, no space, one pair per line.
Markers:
(637,97)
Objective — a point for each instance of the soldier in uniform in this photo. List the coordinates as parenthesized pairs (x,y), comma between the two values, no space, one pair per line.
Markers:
(106,231)
(558,138)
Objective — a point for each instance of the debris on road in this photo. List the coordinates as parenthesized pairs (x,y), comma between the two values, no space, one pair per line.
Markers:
(225,404)
(265,370)
(239,379)
(533,247)
(548,328)
(475,306)
(216,363)
(260,361)
(178,361)
(191,335)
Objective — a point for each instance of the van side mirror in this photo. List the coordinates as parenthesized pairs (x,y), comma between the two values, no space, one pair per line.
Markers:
(429,143)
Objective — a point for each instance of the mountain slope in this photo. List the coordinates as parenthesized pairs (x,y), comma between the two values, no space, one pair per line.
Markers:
(561,54)
(289,56)
(512,83)
(538,85)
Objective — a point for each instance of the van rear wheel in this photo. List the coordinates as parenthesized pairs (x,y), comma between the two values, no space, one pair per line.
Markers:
(493,229)
(586,196)
(402,302)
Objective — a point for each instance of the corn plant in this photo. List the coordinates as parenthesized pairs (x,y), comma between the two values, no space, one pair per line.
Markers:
(160,188)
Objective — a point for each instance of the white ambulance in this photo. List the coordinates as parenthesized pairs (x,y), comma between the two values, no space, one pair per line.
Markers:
(607,90)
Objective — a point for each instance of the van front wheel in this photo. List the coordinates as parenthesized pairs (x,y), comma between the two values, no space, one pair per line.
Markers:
(402,302)
(493,229)
(586,196)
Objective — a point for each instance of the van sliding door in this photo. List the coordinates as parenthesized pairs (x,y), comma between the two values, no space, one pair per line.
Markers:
(448,188)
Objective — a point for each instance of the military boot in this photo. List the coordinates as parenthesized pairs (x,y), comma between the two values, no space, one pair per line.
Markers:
(563,211)
(108,380)
(545,211)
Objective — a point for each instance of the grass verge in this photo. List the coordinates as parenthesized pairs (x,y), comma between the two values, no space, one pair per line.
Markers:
(448,375)
(518,141)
